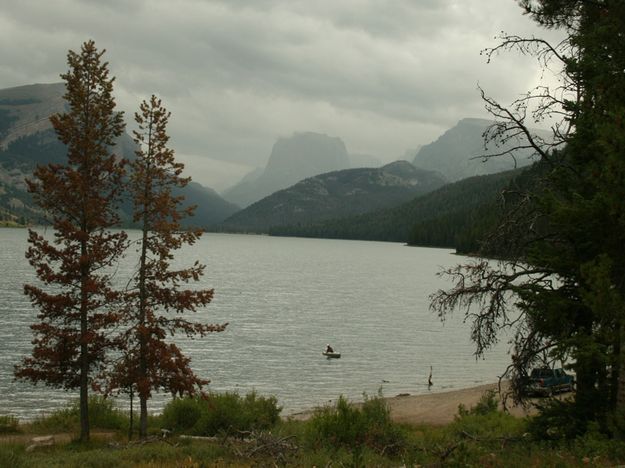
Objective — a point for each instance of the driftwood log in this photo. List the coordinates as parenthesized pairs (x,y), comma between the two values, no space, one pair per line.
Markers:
(41,441)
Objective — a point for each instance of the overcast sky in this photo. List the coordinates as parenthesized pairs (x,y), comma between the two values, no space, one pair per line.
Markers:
(384,75)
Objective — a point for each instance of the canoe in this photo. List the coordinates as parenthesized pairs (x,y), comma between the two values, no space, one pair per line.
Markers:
(333,355)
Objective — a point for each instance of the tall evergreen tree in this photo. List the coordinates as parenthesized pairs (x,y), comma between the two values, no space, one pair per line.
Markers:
(81,198)
(157,296)
(566,271)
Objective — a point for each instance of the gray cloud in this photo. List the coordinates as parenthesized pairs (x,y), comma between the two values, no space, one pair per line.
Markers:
(385,75)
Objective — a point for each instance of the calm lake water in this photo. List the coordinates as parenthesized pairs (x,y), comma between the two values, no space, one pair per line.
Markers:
(285,298)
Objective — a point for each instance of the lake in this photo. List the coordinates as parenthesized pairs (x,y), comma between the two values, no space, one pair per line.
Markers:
(285,298)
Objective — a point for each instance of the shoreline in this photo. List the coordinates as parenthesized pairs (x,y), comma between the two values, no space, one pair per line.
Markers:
(437,408)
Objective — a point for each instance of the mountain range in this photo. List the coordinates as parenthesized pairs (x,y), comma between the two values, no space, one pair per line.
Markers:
(27,139)
(336,194)
(455,215)
(308,187)
(335,204)
(292,159)
(458,152)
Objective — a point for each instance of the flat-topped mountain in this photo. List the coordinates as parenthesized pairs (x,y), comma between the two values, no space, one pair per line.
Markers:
(336,194)
(27,139)
(457,153)
(292,159)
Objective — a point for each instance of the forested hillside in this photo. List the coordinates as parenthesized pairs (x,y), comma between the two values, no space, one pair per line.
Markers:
(456,216)
(336,194)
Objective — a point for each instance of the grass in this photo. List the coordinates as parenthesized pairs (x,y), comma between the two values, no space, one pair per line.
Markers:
(340,435)
(9,425)
(102,415)
(352,427)
(10,224)
(221,413)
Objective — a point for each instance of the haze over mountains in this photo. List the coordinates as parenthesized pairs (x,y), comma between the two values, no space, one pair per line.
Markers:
(292,159)
(27,139)
(457,153)
(300,208)
(336,194)
(308,186)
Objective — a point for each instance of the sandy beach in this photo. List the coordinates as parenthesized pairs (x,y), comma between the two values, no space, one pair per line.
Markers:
(436,407)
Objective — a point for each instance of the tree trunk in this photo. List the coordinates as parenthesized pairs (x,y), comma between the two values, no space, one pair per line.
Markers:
(84,346)
(620,392)
(84,399)
(143,364)
(131,423)
(143,420)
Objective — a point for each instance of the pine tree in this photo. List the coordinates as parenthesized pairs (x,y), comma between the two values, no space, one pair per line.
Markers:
(565,270)
(157,296)
(75,297)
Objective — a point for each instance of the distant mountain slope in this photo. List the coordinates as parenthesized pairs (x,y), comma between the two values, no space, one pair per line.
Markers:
(292,159)
(210,209)
(24,110)
(452,216)
(27,139)
(451,154)
(16,205)
(336,194)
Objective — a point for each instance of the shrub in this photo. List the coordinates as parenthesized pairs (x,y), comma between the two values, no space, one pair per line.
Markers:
(181,414)
(9,424)
(217,413)
(557,420)
(346,425)
(58,421)
(485,421)
(102,415)
(488,404)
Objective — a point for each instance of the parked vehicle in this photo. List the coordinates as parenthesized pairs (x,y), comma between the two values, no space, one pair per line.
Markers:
(546,382)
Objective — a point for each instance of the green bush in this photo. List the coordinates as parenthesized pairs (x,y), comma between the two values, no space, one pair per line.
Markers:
(488,404)
(221,412)
(9,424)
(485,420)
(102,415)
(346,425)
(58,421)
(477,435)
(182,414)
(557,420)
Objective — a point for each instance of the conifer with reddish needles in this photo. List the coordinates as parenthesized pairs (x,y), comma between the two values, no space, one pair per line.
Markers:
(158,294)
(74,293)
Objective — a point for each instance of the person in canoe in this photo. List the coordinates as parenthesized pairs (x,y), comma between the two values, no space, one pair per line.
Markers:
(329,349)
